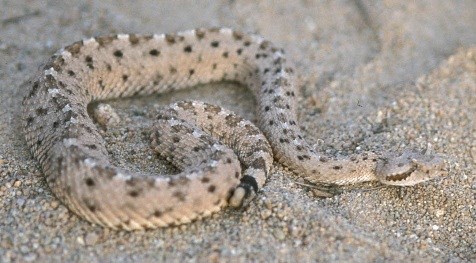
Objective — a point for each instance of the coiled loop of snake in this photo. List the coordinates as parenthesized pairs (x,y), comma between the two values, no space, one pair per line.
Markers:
(66,142)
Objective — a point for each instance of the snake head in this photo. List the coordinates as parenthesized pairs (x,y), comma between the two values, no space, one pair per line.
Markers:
(410,168)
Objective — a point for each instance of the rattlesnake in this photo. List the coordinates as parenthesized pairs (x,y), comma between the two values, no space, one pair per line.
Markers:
(72,154)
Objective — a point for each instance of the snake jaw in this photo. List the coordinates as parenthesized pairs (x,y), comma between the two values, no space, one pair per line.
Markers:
(410,168)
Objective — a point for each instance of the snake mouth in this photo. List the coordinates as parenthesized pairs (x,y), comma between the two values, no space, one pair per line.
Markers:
(401,176)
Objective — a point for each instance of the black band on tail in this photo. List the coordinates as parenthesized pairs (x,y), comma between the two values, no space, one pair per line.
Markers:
(249,181)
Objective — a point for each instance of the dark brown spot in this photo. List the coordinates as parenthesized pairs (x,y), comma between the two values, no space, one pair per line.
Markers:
(71,73)
(232,120)
(179,195)
(237,174)
(154,52)
(172,70)
(75,48)
(176,139)
(214,43)
(91,146)
(266,108)
(211,188)
(246,43)
(124,78)
(41,111)
(91,208)
(157,213)
(212,108)
(259,163)
(90,205)
(196,149)
(225,54)
(158,78)
(148,37)
(90,182)
(265,44)
(61,84)
(200,33)
(105,40)
(283,140)
(191,72)
(88,129)
(205,180)
(238,51)
(118,53)
(170,38)
(237,35)
(187,49)
(133,39)
(279,60)
(34,89)
(337,167)
(101,85)
(134,193)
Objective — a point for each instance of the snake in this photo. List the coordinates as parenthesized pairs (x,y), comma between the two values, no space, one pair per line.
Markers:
(222,159)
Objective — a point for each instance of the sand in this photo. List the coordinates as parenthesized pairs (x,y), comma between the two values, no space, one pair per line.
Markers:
(374,75)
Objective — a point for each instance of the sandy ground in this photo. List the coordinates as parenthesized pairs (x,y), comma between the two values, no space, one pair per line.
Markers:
(375,75)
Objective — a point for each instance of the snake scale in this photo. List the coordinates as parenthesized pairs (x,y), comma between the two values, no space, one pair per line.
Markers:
(223,159)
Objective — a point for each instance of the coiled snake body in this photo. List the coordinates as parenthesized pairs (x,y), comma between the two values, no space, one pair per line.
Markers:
(209,144)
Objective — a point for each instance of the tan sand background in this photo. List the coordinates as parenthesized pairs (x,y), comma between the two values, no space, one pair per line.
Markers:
(374,75)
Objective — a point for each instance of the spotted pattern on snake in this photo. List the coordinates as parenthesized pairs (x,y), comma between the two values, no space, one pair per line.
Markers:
(206,142)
